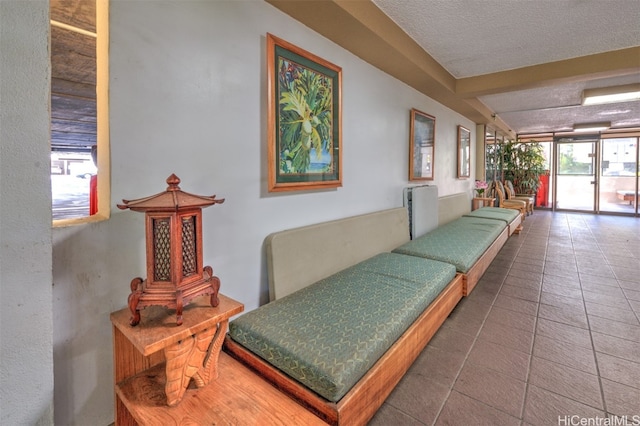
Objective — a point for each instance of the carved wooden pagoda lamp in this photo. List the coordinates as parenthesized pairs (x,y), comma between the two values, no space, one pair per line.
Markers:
(175,274)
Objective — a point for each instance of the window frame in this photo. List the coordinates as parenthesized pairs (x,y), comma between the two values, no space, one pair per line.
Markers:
(102,122)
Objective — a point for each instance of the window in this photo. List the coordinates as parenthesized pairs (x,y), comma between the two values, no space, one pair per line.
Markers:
(79,111)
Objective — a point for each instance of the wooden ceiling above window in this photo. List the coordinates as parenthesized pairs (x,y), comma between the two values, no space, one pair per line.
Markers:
(77,13)
(73,74)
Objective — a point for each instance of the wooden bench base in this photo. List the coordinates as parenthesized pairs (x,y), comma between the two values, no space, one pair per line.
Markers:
(359,405)
(516,225)
(238,397)
(473,275)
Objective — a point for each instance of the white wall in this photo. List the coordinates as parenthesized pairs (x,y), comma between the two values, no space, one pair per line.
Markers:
(26,358)
(188,96)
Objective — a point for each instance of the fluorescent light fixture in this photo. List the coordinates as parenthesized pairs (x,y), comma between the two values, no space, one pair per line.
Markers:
(591,127)
(606,95)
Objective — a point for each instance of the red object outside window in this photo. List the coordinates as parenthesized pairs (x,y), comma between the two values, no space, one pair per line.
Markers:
(543,192)
(93,195)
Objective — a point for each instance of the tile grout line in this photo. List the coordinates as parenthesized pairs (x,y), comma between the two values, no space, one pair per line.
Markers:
(586,314)
(535,333)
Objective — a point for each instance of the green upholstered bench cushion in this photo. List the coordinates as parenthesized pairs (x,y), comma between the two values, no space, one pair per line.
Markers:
(329,334)
(460,242)
(498,213)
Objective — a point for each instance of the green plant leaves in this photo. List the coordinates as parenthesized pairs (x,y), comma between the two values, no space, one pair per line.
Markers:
(522,163)
(305,101)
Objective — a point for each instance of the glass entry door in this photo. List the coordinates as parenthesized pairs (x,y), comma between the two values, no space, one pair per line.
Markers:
(618,183)
(575,175)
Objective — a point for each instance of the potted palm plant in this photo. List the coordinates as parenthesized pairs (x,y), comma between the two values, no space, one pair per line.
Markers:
(523,163)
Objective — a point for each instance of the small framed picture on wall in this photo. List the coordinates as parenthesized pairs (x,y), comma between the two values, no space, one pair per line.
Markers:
(421,146)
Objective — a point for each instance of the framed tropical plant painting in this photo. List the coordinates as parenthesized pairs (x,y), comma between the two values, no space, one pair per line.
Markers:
(464,152)
(304,119)
(421,146)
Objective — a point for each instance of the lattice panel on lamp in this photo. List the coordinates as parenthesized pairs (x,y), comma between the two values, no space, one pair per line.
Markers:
(189,252)
(162,249)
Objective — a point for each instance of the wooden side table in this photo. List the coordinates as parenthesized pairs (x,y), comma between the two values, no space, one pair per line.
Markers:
(189,351)
(478,202)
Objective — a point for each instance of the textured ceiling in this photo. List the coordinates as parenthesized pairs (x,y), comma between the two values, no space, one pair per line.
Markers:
(557,108)
(471,38)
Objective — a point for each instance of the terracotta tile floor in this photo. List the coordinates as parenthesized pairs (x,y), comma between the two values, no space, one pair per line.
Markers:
(551,331)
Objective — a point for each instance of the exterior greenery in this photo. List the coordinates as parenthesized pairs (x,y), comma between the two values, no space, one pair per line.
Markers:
(569,164)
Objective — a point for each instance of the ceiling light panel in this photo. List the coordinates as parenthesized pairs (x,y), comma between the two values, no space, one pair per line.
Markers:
(591,127)
(605,95)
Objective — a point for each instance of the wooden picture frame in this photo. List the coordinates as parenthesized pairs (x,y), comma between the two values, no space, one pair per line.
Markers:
(464,152)
(421,146)
(304,118)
